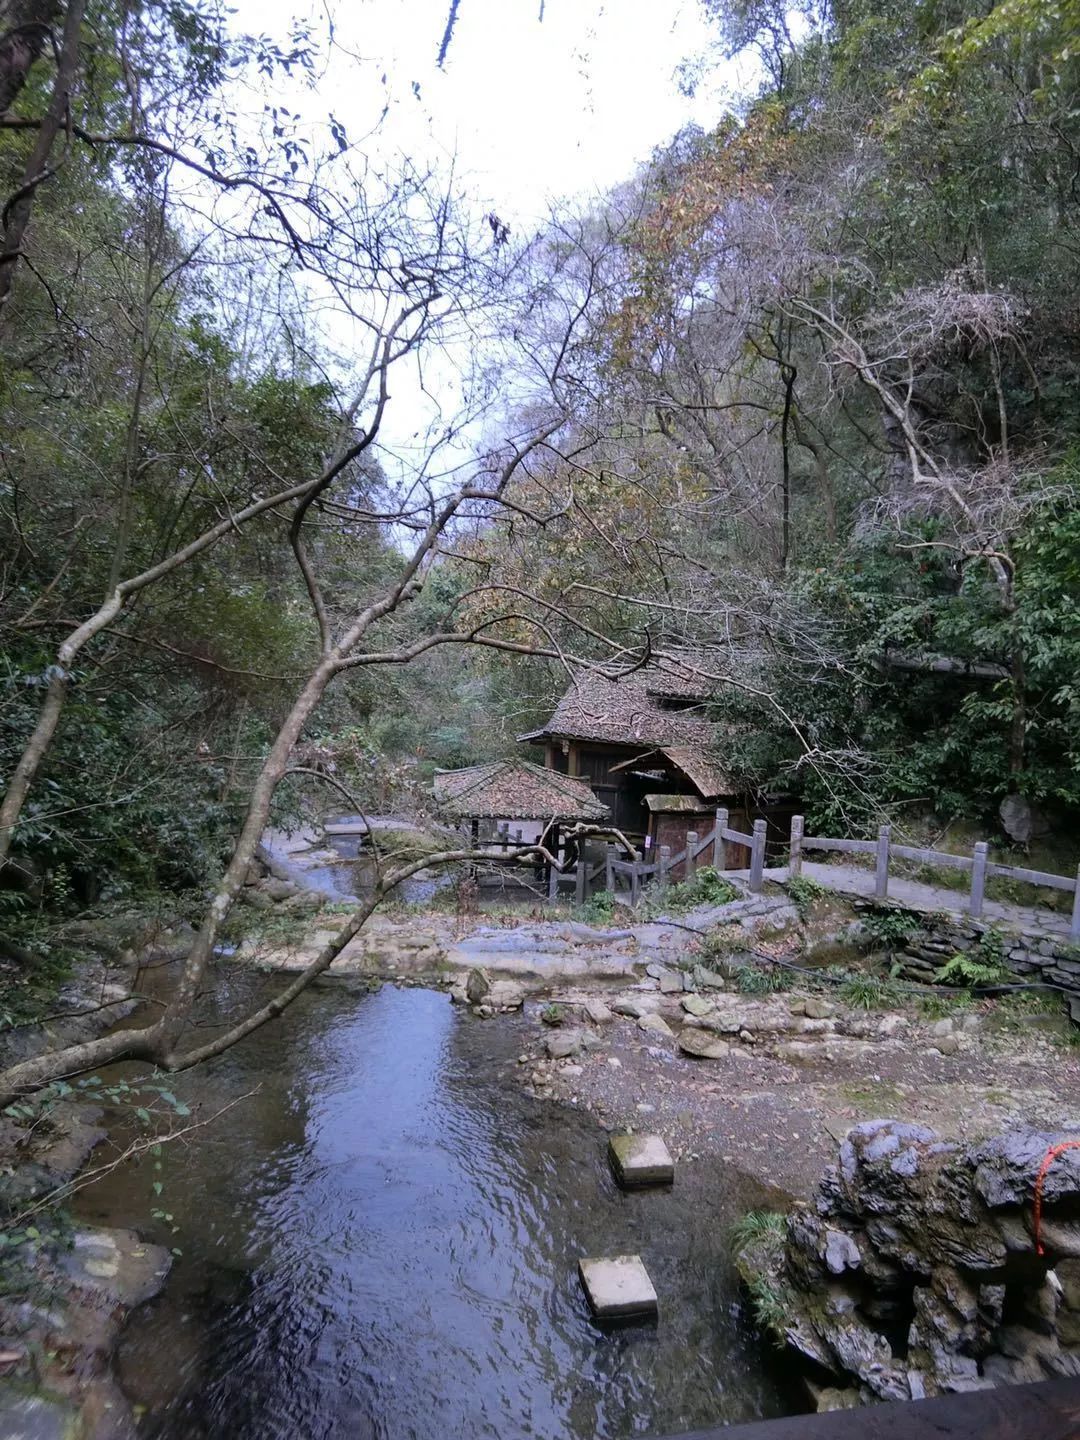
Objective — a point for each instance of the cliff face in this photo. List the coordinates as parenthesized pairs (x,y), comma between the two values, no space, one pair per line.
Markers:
(923,1267)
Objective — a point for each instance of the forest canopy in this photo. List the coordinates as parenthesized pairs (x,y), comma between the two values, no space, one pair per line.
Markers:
(802,391)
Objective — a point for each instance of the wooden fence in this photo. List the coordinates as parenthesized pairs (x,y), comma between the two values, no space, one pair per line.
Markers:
(626,876)
(978,865)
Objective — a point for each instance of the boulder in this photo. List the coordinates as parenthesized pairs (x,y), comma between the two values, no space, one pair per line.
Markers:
(596,1011)
(701,1044)
(562,1044)
(656,1025)
(915,1272)
(697,1005)
(477,985)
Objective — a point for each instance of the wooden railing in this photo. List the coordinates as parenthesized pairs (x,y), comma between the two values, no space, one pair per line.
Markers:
(978,865)
(628,875)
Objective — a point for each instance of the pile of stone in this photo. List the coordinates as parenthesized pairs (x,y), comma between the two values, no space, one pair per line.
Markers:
(917,1271)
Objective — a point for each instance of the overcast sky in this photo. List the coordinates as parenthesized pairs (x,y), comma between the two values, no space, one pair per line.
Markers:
(530,109)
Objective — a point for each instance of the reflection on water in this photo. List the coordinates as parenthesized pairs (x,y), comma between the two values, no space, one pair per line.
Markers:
(383,1242)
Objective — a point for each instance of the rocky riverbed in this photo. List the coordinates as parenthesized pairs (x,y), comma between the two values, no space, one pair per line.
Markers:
(653,1028)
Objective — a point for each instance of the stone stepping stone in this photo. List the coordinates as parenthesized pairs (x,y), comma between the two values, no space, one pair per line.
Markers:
(640,1160)
(618,1287)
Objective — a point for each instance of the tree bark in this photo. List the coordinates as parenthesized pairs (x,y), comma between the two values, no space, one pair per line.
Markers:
(25,25)
(16,216)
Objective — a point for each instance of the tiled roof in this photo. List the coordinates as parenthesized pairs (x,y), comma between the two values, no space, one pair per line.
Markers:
(514,790)
(703,772)
(629,711)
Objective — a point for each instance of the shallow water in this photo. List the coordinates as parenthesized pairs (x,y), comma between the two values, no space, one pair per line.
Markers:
(383,1242)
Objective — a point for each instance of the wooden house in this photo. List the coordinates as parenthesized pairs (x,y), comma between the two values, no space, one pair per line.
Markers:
(648,748)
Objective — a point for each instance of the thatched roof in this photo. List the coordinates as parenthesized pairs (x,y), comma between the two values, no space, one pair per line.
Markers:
(631,710)
(676,805)
(514,790)
(690,763)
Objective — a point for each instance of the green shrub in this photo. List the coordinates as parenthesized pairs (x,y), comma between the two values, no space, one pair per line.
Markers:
(805,893)
(984,964)
(888,928)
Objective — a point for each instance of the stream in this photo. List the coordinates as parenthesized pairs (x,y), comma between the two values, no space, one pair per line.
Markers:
(382,1242)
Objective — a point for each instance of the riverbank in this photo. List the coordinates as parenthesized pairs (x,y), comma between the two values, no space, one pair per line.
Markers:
(769,1083)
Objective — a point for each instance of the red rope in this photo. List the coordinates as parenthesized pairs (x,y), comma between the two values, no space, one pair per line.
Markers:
(1052,1152)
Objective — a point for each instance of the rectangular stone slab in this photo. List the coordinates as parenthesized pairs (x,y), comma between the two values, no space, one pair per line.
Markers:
(618,1287)
(640,1160)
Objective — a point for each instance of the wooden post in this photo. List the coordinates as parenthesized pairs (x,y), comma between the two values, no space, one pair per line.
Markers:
(517,837)
(1074,928)
(757,858)
(691,863)
(609,868)
(719,848)
(665,866)
(581,877)
(795,860)
(881,871)
(978,878)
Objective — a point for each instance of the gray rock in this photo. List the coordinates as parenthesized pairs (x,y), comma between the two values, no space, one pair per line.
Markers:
(817,1009)
(655,1025)
(670,982)
(562,1044)
(596,1011)
(946,1045)
(697,1005)
(701,1044)
(477,985)
(708,979)
(841,1252)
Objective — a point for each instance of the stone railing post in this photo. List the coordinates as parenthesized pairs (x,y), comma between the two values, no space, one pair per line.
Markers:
(719,849)
(795,858)
(978,878)
(1074,928)
(609,868)
(881,869)
(691,859)
(581,877)
(757,857)
(664,866)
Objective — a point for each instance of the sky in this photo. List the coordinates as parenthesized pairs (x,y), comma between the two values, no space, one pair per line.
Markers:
(532,108)
(535,101)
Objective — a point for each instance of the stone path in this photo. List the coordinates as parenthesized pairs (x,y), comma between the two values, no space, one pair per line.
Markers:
(932,899)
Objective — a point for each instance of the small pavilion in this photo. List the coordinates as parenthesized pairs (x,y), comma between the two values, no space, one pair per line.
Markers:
(505,791)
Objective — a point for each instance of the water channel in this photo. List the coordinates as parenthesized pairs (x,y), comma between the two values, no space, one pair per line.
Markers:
(382,1241)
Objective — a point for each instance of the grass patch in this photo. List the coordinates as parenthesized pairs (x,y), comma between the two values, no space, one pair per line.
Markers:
(870,992)
(760,980)
(760,1229)
(805,893)
(706,887)
(773,1303)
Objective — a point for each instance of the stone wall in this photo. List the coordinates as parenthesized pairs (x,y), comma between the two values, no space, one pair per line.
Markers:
(917,1271)
(1030,955)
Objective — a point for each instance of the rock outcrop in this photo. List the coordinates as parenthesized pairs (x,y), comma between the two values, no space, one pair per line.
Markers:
(918,1270)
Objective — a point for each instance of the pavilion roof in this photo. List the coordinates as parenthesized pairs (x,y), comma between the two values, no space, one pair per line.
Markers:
(631,710)
(515,790)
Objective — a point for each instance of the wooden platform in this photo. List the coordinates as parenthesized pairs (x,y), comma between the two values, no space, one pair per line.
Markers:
(1049,1411)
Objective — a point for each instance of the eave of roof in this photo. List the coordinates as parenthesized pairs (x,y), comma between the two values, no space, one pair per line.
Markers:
(515,790)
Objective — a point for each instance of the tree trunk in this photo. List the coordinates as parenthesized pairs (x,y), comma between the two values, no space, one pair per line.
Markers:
(25,25)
